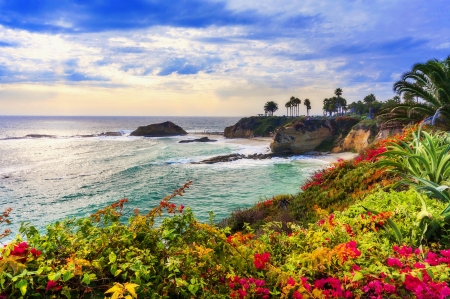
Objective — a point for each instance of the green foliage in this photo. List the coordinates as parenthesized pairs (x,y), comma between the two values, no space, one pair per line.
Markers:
(424,164)
(270,107)
(429,82)
(371,249)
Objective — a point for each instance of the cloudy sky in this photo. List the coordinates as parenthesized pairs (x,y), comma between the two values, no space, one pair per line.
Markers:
(208,57)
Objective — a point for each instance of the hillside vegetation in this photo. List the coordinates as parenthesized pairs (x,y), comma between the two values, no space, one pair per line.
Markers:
(374,227)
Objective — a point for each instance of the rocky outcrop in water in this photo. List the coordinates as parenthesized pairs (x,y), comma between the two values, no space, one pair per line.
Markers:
(311,134)
(203,139)
(300,138)
(235,157)
(255,126)
(159,130)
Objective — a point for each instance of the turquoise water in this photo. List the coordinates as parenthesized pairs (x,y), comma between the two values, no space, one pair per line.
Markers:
(49,178)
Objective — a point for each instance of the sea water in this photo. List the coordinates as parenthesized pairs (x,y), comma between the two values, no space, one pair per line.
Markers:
(57,173)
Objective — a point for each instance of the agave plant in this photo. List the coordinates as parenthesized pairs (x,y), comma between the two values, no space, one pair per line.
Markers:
(429,82)
(424,164)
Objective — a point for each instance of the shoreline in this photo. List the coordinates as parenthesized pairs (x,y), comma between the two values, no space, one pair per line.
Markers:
(265,142)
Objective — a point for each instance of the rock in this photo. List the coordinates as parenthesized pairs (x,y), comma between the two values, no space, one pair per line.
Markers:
(255,125)
(39,136)
(358,139)
(110,134)
(159,130)
(203,139)
(301,137)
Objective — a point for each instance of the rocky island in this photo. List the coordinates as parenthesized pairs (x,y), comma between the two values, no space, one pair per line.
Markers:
(159,130)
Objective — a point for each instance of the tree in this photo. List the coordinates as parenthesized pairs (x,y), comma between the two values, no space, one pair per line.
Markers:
(330,105)
(288,105)
(428,81)
(360,108)
(338,92)
(292,101)
(408,98)
(342,104)
(369,99)
(270,107)
(307,103)
(297,103)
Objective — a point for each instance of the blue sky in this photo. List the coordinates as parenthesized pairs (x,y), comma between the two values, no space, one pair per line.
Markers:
(152,57)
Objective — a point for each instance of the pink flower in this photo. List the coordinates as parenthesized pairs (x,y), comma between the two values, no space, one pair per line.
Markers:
(290,281)
(432,259)
(297,295)
(394,262)
(242,293)
(445,253)
(356,268)
(419,266)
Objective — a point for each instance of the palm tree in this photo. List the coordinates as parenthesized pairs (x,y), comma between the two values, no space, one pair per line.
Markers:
(307,103)
(338,92)
(270,107)
(341,103)
(292,101)
(297,103)
(369,99)
(428,81)
(288,105)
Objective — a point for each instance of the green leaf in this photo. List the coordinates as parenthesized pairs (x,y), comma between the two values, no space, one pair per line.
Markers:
(112,257)
(193,288)
(67,275)
(430,273)
(113,269)
(22,286)
(66,292)
(54,276)
(86,279)
(358,276)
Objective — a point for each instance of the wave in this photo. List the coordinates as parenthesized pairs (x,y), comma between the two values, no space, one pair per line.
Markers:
(39,136)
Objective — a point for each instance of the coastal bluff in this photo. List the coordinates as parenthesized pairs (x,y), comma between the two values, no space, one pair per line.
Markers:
(306,134)
(159,130)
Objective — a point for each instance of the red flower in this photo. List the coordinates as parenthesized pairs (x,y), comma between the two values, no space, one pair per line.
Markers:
(261,260)
(53,286)
(20,249)
(297,295)
(35,252)
(290,281)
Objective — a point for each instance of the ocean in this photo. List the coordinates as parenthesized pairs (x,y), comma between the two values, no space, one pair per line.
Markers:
(49,171)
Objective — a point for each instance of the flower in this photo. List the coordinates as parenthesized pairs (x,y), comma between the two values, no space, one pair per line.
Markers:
(394,262)
(261,260)
(290,281)
(35,252)
(53,286)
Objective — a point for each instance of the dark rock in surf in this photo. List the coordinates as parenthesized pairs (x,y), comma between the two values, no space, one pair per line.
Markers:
(203,139)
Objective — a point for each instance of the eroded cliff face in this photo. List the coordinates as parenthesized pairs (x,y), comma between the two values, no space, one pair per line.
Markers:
(358,139)
(233,132)
(301,137)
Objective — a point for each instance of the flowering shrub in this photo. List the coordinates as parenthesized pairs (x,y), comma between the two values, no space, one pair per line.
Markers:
(351,253)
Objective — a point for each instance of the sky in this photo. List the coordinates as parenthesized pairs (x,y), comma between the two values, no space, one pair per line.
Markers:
(208,57)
